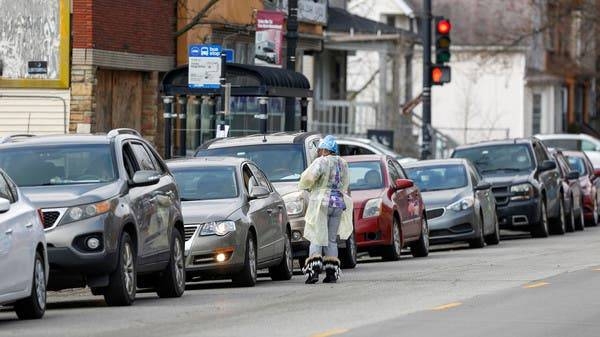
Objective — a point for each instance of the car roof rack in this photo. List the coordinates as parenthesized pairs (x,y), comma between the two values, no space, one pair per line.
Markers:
(123,131)
(6,139)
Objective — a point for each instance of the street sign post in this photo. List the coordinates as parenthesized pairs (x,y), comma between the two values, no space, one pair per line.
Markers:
(204,70)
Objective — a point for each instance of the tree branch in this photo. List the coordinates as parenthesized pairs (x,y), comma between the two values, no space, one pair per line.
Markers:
(197,18)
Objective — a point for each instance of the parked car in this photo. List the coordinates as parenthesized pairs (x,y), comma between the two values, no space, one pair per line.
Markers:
(588,181)
(571,191)
(282,157)
(23,255)
(357,146)
(389,213)
(574,142)
(235,221)
(525,182)
(110,209)
(460,205)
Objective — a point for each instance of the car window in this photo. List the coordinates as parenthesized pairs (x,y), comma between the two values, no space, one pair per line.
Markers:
(393,172)
(577,164)
(438,177)
(260,177)
(5,191)
(399,169)
(312,149)
(249,179)
(365,175)
(155,159)
(563,144)
(353,150)
(129,160)
(504,158)
(563,166)
(540,152)
(206,183)
(587,146)
(142,157)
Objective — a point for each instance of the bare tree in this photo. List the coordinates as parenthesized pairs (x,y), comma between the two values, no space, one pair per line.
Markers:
(198,18)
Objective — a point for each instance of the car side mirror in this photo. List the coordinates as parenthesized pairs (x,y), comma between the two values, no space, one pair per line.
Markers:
(547,165)
(258,192)
(404,183)
(482,186)
(145,178)
(573,175)
(4,205)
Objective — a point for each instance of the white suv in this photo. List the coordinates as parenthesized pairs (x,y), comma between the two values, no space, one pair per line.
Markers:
(23,257)
(574,142)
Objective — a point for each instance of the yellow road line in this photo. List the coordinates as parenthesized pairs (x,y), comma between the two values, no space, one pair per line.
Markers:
(331,332)
(447,306)
(535,285)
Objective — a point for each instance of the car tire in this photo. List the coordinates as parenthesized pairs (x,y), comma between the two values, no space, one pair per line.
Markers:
(580,221)
(347,256)
(122,282)
(393,251)
(494,238)
(594,221)
(285,269)
(540,229)
(247,276)
(421,247)
(171,282)
(479,241)
(570,223)
(34,306)
(558,223)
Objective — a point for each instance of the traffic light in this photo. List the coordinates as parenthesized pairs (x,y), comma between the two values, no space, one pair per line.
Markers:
(442,40)
(440,74)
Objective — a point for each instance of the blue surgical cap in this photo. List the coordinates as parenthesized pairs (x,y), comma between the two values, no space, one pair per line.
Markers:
(328,143)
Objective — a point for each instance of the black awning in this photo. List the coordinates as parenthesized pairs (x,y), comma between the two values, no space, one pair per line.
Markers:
(246,80)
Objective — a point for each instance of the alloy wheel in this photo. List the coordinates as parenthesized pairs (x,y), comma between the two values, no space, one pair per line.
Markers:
(179,264)
(40,284)
(128,270)
(396,238)
(425,234)
(252,258)
(288,254)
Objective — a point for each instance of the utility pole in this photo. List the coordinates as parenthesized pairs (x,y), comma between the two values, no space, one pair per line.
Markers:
(426,37)
(291,38)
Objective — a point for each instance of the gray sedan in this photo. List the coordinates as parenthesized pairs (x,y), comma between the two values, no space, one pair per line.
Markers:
(235,222)
(460,206)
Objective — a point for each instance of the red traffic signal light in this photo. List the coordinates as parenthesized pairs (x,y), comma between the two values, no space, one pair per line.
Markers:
(440,74)
(443,27)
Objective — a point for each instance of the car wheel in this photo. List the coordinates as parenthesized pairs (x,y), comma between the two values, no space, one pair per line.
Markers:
(171,282)
(247,277)
(559,222)
(421,247)
(479,241)
(594,221)
(34,306)
(347,256)
(540,230)
(570,223)
(122,282)
(394,251)
(494,238)
(580,222)
(285,269)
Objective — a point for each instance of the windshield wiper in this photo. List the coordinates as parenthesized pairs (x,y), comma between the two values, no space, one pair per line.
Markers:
(510,169)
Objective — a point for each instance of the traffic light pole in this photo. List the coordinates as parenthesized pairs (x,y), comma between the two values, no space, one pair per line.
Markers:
(426,36)
(291,38)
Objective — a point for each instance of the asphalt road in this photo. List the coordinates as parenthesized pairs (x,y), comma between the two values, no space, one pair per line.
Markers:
(523,287)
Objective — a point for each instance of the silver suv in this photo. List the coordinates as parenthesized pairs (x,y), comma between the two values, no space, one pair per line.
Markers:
(110,210)
(282,157)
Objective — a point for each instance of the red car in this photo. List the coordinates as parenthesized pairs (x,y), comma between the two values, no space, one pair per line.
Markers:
(389,213)
(587,179)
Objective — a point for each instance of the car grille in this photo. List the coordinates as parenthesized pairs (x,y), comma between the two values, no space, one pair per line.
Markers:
(190,230)
(502,195)
(435,213)
(51,217)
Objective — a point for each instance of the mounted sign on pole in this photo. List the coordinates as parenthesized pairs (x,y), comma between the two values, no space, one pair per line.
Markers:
(204,70)
(269,38)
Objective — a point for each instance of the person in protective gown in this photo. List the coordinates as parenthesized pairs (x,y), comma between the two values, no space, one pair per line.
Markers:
(329,211)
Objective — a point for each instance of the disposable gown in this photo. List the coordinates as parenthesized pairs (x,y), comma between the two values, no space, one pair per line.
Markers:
(318,179)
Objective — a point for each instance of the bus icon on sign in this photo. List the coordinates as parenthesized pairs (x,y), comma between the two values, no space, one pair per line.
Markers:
(204,51)
(194,51)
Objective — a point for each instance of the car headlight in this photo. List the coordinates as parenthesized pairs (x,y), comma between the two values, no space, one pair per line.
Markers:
(217,228)
(294,203)
(83,212)
(521,192)
(372,208)
(462,204)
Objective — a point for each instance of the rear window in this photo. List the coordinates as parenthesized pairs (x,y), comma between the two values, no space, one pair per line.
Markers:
(564,144)
(365,175)
(498,158)
(436,178)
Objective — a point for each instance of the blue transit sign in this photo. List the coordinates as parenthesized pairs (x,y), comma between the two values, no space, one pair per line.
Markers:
(204,66)
(230,55)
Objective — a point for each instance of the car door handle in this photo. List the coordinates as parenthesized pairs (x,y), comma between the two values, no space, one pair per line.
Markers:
(280,207)
(269,210)
(29,225)
(9,231)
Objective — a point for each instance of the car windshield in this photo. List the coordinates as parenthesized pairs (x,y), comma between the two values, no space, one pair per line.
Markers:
(439,177)
(59,165)
(280,162)
(564,144)
(577,164)
(206,183)
(498,158)
(365,175)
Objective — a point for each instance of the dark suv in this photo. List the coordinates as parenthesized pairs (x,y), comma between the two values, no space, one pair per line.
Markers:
(525,182)
(111,211)
(282,157)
